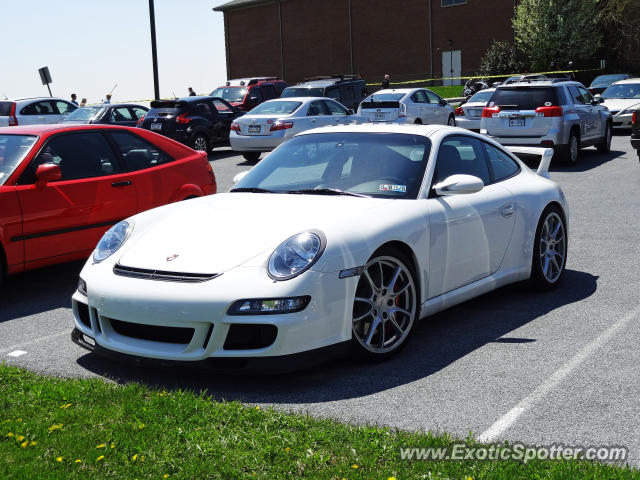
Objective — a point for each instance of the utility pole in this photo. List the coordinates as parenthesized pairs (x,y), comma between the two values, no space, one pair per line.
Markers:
(154,52)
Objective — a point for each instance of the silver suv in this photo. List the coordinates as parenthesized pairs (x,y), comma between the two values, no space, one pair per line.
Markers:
(556,113)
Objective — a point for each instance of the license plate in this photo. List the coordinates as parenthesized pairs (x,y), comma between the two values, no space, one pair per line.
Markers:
(156,126)
(516,122)
(379,116)
(254,128)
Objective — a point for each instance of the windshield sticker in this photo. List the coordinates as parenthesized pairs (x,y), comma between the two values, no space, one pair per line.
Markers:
(393,188)
(547,104)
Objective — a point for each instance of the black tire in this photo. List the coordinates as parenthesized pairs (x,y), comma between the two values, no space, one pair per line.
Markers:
(199,142)
(418,121)
(251,156)
(546,273)
(604,145)
(451,121)
(383,313)
(571,150)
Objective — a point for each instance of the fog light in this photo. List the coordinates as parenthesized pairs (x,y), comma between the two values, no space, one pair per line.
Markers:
(82,286)
(269,306)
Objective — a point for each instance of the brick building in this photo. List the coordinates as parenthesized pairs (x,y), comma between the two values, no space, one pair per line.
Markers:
(408,39)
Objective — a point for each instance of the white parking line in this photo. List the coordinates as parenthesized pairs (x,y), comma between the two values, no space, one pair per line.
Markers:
(504,422)
(16,353)
(17,346)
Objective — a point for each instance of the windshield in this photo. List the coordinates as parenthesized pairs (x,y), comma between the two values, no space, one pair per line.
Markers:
(230,94)
(84,114)
(276,107)
(482,96)
(625,90)
(381,165)
(13,149)
(608,79)
(302,92)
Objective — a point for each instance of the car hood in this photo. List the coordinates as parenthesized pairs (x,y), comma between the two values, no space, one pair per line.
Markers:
(217,233)
(618,104)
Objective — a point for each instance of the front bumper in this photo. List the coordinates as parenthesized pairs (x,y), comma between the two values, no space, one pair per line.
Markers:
(146,306)
(255,143)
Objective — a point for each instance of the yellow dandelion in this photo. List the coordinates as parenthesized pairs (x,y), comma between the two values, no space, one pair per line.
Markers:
(20,438)
(24,444)
(354,466)
(113,445)
(135,457)
(10,434)
(78,460)
(102,445)
(257,407)
(99,458)
(141,426)
(64,406)
(391,478)
(287,449)
(58,459)
(18,420)
(166,475)
(33,443)
(55,427)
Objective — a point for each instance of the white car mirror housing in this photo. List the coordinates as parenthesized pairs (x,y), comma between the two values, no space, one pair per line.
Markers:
(459,185)
(240,176)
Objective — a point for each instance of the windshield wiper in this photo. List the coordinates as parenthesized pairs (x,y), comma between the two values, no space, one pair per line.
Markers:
(325,191)
(252,190)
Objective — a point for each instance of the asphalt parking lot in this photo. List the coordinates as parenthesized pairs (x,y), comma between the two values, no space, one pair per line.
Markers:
(555,367)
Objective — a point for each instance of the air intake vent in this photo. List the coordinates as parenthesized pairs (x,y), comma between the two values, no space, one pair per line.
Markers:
(162,275)
(153,333)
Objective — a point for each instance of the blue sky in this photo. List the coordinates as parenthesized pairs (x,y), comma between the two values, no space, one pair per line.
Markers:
(91,45)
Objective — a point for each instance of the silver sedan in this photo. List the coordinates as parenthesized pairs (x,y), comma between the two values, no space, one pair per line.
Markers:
(272,122)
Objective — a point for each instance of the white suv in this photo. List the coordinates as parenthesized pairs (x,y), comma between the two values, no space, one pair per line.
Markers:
(31,111)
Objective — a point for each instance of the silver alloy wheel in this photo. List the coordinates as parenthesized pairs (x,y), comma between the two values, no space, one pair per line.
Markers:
(552,247)
(200,143)
(384,306)
(573,149)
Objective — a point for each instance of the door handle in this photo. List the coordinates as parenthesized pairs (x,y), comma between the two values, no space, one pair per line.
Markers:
(507,210)
(313,120)
(124,183)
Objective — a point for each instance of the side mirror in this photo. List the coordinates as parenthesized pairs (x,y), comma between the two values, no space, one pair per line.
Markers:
(459,185)
(47,172)
(240,176)
(443,102)
(350,111)
(598,99)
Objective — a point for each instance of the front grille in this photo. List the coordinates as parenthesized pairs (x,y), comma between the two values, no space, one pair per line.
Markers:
(83,313)
(250,336)
(153,333)
(162,275)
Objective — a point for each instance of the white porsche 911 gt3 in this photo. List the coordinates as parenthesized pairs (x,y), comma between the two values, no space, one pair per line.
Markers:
(341,238)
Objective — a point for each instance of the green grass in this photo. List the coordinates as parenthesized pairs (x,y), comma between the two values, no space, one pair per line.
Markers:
(453,91)
(65,429)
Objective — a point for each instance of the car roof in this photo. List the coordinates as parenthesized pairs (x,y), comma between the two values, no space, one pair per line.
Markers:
(413,129)
(540,83)
(36,99)
(299,99)
(56,127)
(398,90)
(634,80)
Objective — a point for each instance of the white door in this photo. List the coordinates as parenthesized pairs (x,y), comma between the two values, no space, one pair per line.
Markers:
(452,67)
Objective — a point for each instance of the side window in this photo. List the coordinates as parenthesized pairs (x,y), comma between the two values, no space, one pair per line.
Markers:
(586,96)
(137,112)
(44,108)
(432,97)
(221,107)
(255,92)
(335,108)
(459,154)
(419,97)
(269,92)
(501,165)
(201,108)
(79,155)
(121,114)
(317,108)
(333,92)
(138,154)
(29,110)
(576,96)
(64,107)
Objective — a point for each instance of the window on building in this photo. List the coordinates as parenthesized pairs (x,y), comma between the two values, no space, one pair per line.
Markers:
(448,3)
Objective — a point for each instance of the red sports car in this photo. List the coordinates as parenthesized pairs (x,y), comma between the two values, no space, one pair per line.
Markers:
(62,186)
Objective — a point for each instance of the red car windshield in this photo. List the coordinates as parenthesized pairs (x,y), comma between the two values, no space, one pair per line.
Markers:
(13,149)
(230,94)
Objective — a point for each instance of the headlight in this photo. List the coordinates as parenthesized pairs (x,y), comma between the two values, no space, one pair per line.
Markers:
(295,255)
(112,240)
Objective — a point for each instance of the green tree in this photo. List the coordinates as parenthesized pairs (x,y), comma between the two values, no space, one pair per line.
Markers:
(621,21)
(500,59)
(557,30)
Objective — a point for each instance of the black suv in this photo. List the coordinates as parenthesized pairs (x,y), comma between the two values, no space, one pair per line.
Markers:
(199,122)
(349,90)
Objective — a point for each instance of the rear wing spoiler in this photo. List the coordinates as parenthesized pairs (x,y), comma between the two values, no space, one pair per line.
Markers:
(545,153)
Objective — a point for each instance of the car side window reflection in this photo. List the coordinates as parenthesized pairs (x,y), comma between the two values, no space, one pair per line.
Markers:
(460,154)
(502,166)
(137,154)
